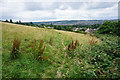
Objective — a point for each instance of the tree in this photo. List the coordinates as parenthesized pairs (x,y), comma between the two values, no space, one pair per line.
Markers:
(108,27)
(51,25)
(42,25)
(19,22)
(117,29)
(6,20)
(11,21)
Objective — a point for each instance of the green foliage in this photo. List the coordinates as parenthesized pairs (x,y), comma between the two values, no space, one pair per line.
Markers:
(82,32)
(116,30)
(96,61)
(109,27)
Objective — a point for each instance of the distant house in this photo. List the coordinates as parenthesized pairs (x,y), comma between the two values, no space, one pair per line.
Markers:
(90,31)
(52,27)
(48,27)
(74,29)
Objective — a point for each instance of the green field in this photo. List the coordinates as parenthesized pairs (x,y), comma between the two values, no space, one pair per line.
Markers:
(57,61)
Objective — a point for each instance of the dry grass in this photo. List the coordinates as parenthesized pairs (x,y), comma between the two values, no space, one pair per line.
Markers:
(93,41)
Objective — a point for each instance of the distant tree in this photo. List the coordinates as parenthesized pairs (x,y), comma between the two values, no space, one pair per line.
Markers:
(11,21)
(20,22)
(51,25)
(6,20)
(17,22)
(42,25)
(37,25)
(31,24)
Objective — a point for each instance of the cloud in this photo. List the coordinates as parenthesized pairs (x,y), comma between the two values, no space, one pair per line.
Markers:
(43,11)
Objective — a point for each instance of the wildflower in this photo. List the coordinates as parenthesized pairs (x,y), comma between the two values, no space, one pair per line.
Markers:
(99,56)
(98,67)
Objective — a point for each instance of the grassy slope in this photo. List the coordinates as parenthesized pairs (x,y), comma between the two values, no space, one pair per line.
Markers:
(26,66)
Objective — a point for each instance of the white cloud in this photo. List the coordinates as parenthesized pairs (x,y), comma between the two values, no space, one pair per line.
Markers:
(41,11)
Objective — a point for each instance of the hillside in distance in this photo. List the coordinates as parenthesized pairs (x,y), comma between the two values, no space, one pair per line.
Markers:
(74,22)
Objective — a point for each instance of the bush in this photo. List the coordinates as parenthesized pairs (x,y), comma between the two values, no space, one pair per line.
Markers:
(96,60)
(108,27)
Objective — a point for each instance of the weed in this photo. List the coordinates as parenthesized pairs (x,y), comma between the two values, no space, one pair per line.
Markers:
(40,52)
(51,41)
(41,44)
(69,46)
(16,45)
(93,41)
(72,46)
(76,43)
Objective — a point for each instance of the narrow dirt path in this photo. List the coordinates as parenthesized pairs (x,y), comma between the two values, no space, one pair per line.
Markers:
(58,71)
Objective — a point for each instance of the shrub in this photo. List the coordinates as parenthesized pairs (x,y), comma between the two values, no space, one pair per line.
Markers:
(109,27)
(16,45)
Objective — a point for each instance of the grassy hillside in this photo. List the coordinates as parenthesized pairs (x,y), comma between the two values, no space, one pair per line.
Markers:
(26,66)
(56,61)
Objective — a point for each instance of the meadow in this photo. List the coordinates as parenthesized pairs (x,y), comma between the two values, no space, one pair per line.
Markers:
(49,53)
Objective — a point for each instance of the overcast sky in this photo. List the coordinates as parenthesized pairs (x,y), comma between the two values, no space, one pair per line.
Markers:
(34,10)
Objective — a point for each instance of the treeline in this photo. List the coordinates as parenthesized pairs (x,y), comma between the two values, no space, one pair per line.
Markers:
(107,27)
(22,23)
(58,27)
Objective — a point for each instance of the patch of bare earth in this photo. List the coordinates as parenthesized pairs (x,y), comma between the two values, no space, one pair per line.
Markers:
(58,71)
